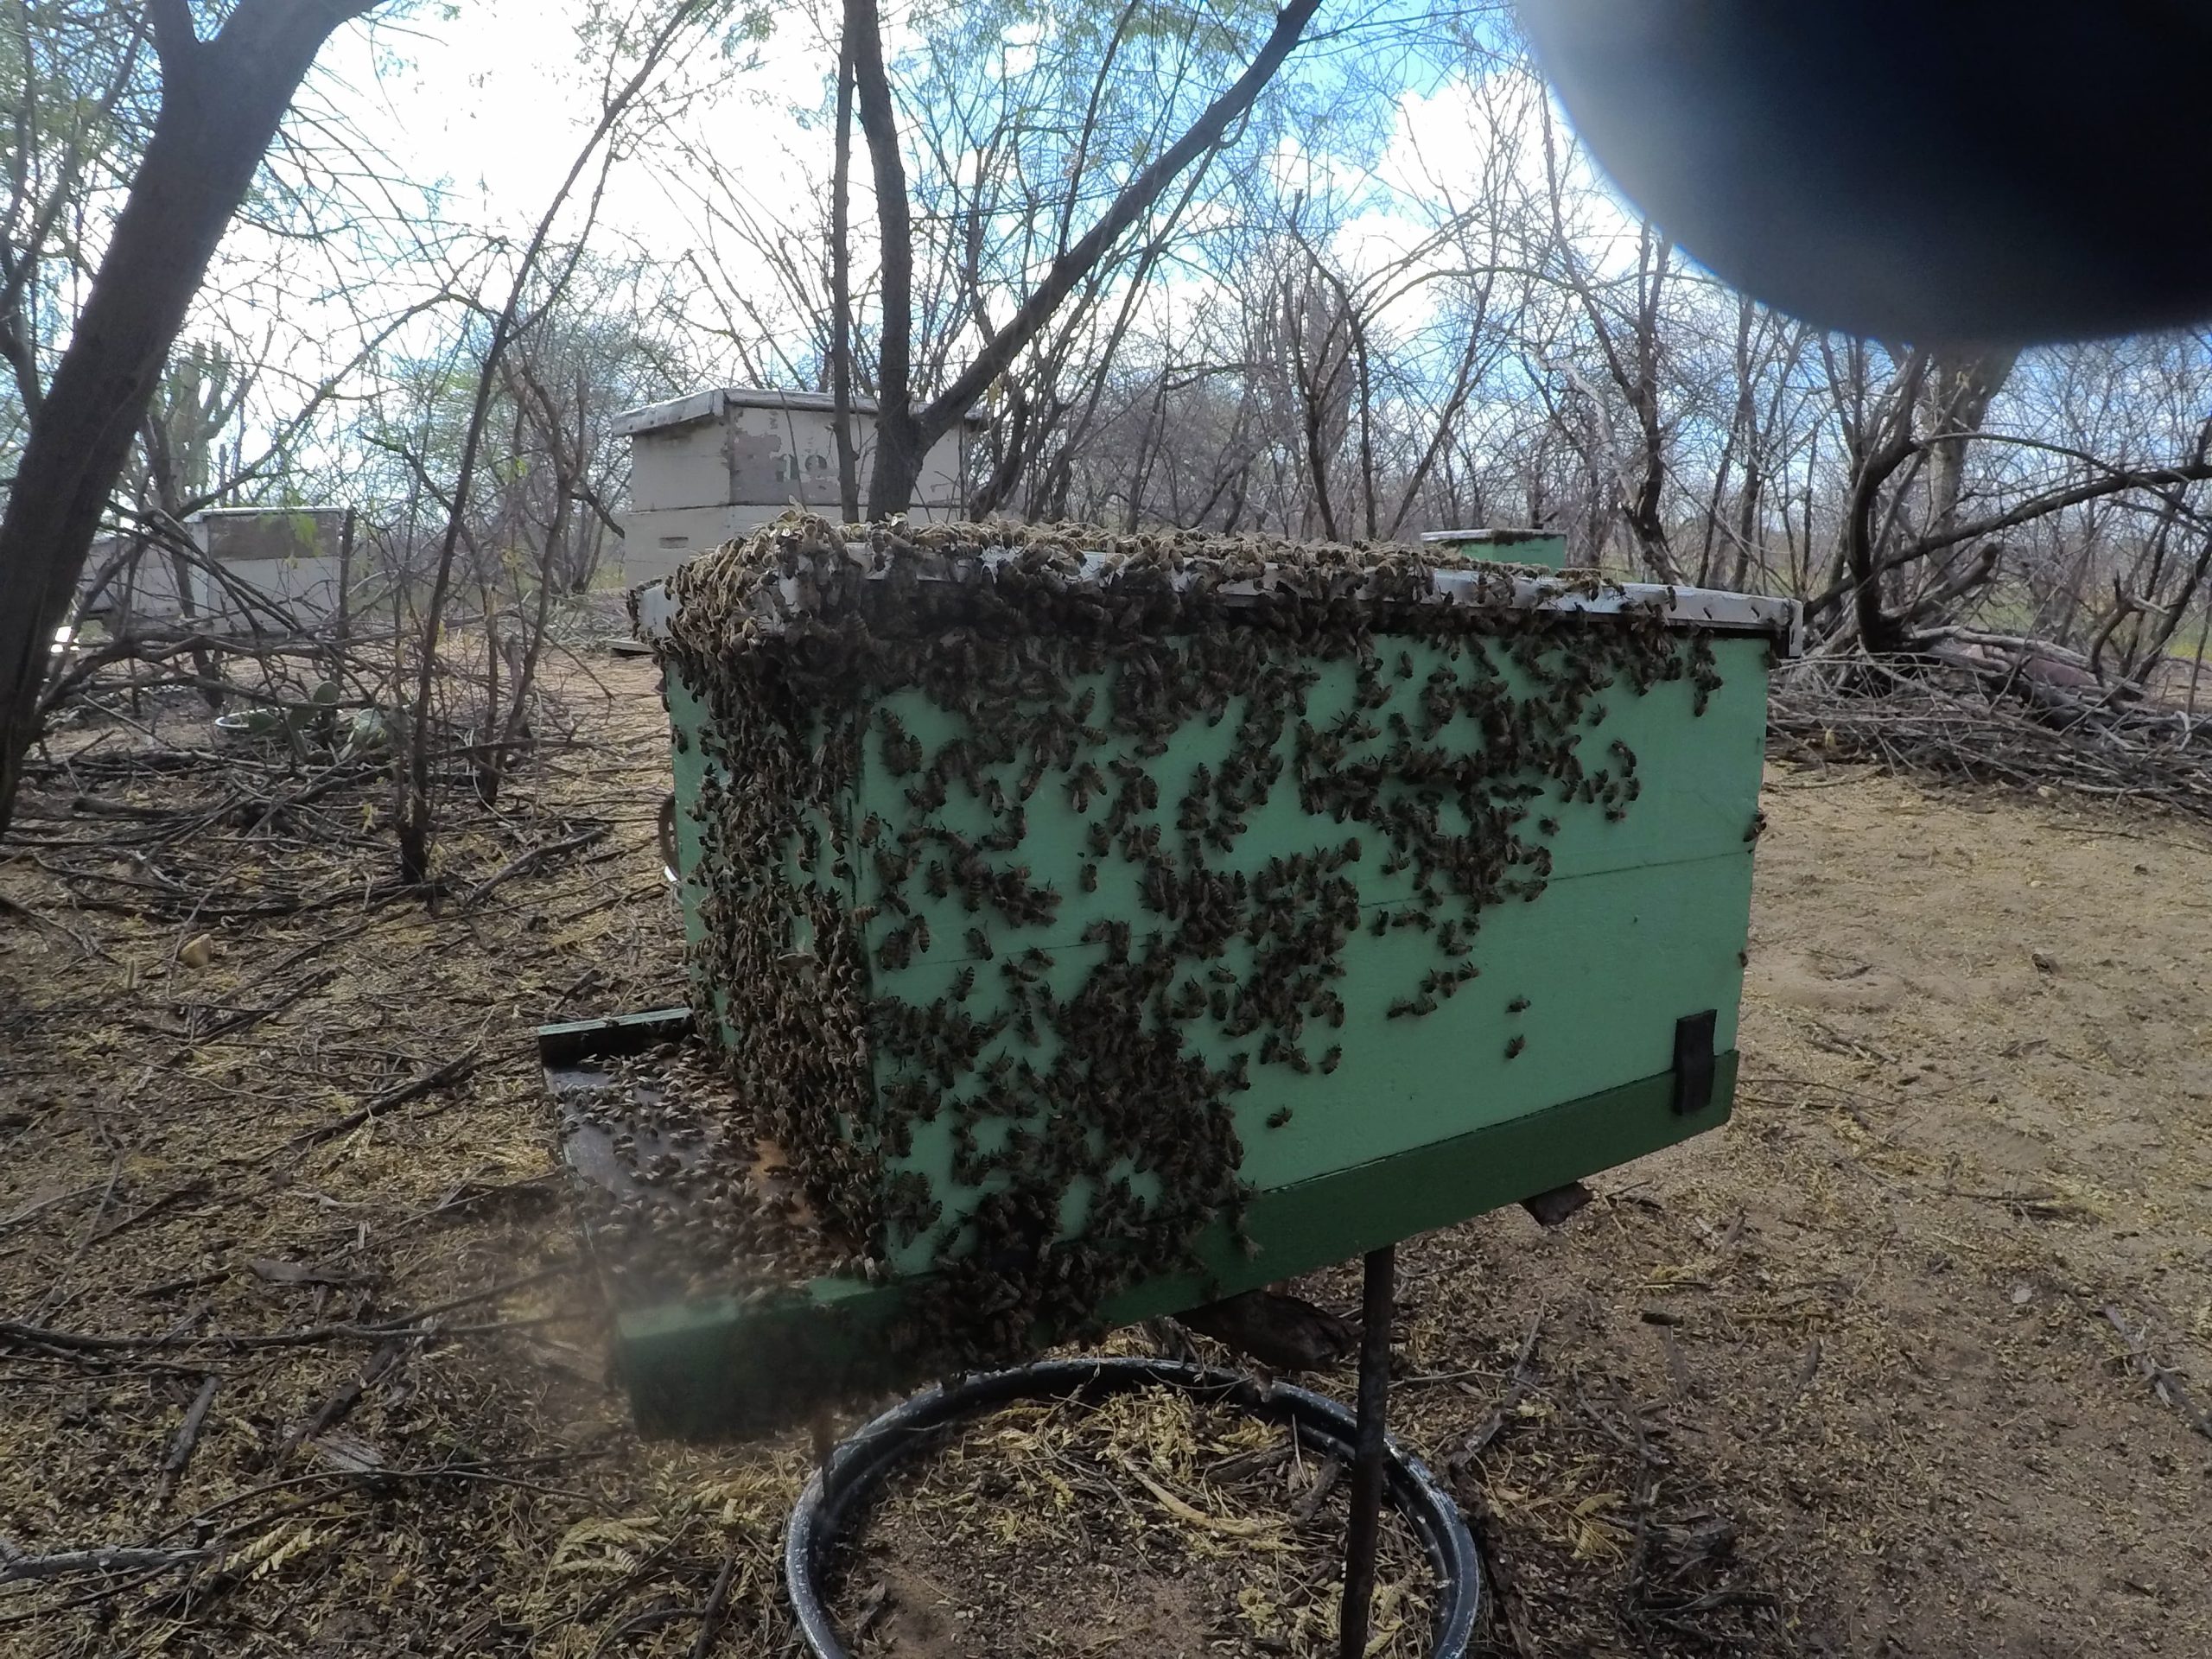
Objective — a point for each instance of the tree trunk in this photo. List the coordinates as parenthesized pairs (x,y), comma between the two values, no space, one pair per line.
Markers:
(169,501)
(412,825)
(345,577)
(221,100)
(1646,518)
(840,291)
(1012,438)
(1894,444)
(897,439)
(1958,393)
(903,435)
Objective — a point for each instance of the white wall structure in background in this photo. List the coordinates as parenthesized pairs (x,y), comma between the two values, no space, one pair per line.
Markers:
(718,463)
(127,581)
(273,570)
(270,570)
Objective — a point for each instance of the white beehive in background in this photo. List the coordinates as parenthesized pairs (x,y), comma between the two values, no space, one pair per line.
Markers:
(716,464)
(270,569)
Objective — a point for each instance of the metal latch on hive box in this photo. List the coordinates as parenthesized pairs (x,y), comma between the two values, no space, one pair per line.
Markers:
(1694,1061)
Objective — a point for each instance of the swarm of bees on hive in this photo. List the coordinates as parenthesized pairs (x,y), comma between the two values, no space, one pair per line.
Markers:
(685,1196)
(1042,946)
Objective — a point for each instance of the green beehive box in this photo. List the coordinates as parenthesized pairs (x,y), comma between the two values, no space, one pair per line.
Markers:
(1108,925)
(1537,546)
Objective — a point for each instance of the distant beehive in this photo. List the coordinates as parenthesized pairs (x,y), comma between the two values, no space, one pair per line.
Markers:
(718,464)
(273,570)
(1546,548)
(270,569)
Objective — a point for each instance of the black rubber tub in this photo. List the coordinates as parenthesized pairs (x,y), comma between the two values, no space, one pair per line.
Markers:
(838,1496)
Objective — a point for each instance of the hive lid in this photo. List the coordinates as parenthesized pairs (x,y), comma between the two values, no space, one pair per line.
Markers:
(1495,586)
(717,401)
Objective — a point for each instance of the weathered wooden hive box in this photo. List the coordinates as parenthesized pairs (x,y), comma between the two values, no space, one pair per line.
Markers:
(1101,924)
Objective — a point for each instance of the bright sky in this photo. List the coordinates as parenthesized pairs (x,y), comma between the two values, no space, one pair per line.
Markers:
(494,102)
(491,102)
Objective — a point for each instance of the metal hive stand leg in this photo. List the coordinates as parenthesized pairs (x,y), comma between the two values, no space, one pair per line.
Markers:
(1377,1289)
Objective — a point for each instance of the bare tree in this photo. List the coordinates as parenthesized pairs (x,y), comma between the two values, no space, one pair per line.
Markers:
(621,87)
(840,291)
(221,99)
(904,433)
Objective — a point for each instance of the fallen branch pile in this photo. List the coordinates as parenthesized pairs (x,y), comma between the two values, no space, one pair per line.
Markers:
(1965,720)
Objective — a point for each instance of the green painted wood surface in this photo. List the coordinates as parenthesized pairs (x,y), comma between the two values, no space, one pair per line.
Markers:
(720,1369)
(1642,923)
(1699,775)
(1607,962)
(1511,546)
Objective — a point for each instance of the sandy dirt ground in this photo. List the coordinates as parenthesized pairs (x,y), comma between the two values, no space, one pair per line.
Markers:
(1909,1359)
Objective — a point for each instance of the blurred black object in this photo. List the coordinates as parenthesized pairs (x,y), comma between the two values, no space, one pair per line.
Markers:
(1931,171)
(1553,1209)
(1281,1332)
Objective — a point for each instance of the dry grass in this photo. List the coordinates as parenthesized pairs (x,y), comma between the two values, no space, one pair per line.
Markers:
(1178,1526)
(1838,1379)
